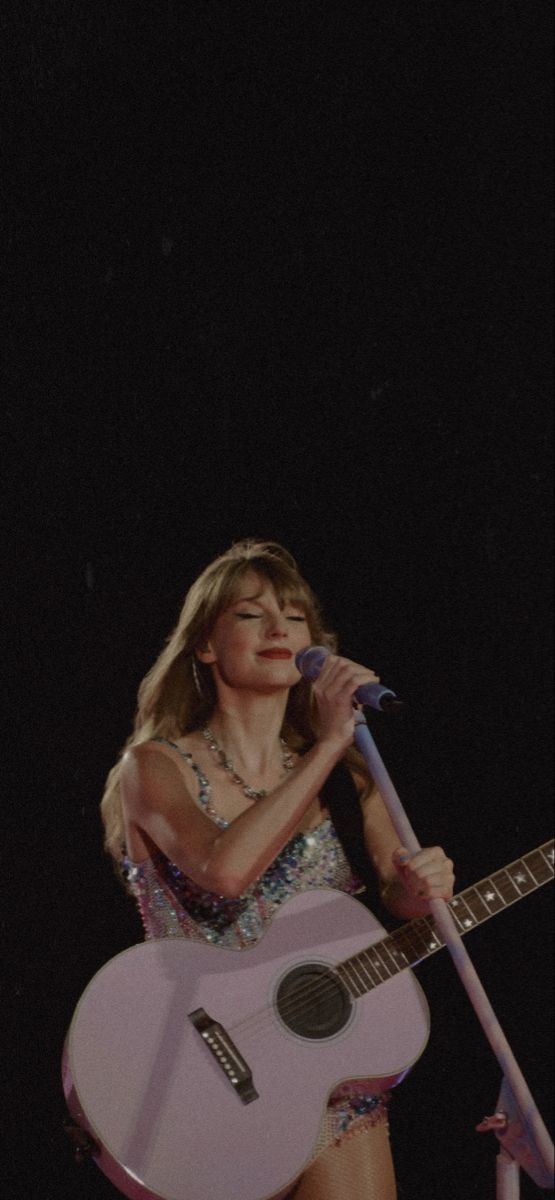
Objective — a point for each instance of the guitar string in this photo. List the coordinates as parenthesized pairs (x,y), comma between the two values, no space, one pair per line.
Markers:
(301,1003)
(309,993)
(255,1023)
(303,1000)
(306,996)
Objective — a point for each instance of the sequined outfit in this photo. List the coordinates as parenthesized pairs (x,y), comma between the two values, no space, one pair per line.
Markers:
(173,905)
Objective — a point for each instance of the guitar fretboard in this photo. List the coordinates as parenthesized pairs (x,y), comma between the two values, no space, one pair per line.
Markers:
(419,939)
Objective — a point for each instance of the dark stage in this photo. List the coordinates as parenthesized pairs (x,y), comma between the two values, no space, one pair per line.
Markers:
(280,270)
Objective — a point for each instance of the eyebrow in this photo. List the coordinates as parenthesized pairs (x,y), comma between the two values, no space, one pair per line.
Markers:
(256,599)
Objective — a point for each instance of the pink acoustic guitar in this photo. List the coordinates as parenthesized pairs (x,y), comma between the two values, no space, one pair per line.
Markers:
(202,1074)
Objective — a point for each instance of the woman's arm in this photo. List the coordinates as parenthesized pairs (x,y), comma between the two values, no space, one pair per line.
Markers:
(407,883)
(225,861)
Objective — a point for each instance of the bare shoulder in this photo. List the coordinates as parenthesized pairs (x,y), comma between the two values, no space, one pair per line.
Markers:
(159,809)
(150,755)
(142,759)
(151,774)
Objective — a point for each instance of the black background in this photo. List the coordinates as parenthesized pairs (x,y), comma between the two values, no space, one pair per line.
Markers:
(279,269)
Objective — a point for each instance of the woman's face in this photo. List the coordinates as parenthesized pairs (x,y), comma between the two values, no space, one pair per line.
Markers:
(254,642)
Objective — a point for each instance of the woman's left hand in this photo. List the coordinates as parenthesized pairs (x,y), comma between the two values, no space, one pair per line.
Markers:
(427,875)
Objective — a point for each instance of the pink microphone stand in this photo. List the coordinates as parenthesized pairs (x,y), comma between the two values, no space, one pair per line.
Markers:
(524,1140)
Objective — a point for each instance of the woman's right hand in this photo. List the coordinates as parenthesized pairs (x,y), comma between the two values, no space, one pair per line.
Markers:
(334,690)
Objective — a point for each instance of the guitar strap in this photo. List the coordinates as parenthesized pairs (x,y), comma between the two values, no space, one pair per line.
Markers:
(339,795)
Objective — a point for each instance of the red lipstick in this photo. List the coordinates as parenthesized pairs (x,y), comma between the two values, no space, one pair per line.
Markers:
(275,654)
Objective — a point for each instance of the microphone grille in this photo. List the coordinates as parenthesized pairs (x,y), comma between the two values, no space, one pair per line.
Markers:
(310,661)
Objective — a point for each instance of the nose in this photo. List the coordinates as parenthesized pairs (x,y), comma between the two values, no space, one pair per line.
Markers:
(278,627)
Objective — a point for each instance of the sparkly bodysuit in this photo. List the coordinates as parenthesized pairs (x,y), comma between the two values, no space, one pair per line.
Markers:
(173,905)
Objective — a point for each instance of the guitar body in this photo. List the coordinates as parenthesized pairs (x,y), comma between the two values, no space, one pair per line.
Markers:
(154,1087)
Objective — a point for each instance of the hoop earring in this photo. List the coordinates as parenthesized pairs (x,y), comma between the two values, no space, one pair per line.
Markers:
(197,679)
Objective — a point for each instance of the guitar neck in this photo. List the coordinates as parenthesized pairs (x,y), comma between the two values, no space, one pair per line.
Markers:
(419,939)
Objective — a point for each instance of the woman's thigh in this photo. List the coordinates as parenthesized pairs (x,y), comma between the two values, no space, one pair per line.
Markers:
(360,1168)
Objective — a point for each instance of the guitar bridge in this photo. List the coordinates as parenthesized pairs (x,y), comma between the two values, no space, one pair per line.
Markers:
(226,1054)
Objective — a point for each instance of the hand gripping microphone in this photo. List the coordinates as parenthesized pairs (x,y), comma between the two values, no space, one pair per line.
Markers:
(310,662)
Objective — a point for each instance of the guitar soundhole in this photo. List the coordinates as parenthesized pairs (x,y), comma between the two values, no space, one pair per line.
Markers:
(313,1002)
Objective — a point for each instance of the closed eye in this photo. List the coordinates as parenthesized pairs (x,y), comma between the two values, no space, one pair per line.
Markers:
(245,616)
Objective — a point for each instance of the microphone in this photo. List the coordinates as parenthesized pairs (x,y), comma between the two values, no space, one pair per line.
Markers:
(310,662)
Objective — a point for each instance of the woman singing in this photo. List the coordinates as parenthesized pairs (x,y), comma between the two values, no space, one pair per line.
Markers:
(222,806)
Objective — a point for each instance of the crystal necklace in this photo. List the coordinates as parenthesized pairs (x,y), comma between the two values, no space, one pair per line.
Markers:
(225,762)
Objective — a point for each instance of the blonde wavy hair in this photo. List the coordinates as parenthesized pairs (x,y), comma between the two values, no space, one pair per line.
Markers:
(171,702)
